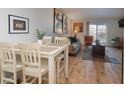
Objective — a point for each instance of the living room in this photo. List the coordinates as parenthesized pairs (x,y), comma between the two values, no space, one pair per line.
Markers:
(103,25)
(82,69)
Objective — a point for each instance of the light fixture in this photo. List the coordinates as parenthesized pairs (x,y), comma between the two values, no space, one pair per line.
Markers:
(76,30)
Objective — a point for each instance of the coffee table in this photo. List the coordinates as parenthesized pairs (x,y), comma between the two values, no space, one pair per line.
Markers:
(98,50)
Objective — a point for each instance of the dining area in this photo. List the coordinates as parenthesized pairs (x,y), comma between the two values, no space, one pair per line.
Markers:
(31,63)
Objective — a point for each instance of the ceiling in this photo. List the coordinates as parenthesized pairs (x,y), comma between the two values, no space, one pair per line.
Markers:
(94,13)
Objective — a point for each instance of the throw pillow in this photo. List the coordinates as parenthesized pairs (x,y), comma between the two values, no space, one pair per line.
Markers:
(74,39)
(71,39)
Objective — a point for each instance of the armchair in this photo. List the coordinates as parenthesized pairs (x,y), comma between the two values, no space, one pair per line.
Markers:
(88,40)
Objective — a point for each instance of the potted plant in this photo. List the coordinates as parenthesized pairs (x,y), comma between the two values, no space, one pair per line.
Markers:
(40,35)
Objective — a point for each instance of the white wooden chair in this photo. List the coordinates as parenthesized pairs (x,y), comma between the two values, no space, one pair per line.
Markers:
(60,41)
(33,67)
(47,39)
(9,63)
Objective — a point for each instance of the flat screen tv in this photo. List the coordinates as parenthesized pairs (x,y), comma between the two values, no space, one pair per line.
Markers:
(121,23)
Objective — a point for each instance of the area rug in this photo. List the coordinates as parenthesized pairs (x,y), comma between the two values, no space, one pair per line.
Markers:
(87,55)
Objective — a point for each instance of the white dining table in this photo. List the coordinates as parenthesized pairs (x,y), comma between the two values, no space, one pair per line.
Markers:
(54,51)
(50,51)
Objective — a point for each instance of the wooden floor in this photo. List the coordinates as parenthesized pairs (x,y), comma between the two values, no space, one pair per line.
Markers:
(91,72)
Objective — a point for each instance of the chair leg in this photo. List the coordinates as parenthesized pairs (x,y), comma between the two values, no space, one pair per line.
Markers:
(15,78)
(24,75)
(2,75)
(40,81)
(24,78)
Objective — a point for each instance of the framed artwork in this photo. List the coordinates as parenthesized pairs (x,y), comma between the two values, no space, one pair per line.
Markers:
(78,27)
(58,21)
(18,25)
(65,24)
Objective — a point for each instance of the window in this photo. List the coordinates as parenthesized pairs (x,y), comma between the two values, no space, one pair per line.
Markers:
(92,31)
(98,32)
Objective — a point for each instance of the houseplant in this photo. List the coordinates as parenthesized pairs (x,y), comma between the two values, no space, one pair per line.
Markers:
(39,35)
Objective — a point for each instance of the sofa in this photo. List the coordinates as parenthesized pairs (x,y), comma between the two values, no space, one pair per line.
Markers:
(74,46)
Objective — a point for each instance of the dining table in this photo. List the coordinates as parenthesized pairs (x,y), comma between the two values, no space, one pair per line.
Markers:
(50,51)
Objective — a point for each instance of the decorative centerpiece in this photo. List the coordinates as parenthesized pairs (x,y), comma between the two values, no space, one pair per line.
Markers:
(40,35)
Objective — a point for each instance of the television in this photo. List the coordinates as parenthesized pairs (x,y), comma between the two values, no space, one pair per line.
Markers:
(121,23)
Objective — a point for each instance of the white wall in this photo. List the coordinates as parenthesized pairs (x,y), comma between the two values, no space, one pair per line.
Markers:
(38,18)
(70,27)
(113,29)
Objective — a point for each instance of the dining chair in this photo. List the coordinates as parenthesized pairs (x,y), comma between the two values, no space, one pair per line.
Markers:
(61,40)
(47,39)
(32,61)
(58,58)
(9,64)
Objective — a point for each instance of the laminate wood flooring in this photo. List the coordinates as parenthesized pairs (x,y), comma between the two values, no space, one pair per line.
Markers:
(91,72)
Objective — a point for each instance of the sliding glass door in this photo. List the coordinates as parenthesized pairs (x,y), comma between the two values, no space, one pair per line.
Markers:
(98,32)
(93,31)
(102,36)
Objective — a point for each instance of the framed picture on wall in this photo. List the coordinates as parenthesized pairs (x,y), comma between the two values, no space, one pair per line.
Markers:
(58,21)
(77,27)
(65,24)
(18,25)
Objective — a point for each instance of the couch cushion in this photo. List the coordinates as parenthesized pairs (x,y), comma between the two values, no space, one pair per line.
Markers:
(72,39)
(76,46)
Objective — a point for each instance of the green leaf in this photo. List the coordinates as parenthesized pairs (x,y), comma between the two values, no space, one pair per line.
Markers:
(40,34)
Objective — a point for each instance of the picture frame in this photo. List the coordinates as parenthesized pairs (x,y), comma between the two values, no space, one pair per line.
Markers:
(58,20)
(18,25)
(78,26)
(65,23)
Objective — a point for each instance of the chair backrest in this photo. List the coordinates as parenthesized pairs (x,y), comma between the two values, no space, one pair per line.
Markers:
(30,54)
(7,51)
(47,39)
(61,40)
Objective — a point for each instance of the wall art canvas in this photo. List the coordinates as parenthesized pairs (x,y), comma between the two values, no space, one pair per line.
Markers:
(65,24)
(18,25)
(58,20)
(78,27)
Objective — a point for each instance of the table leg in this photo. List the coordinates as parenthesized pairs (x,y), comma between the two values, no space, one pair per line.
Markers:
(66,62)
(52,77)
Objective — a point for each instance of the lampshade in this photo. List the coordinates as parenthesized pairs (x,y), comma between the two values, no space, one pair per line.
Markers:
(76,29)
